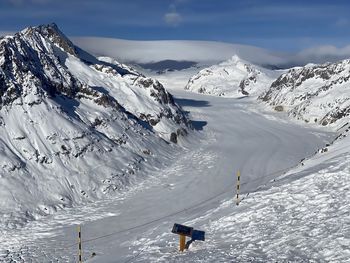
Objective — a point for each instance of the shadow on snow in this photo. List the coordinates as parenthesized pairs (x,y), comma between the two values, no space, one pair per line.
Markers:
(198,125)
(192,103)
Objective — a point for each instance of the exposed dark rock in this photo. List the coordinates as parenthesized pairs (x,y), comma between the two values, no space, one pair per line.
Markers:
(153,122)
(173,137)
(279,108)
(181,132)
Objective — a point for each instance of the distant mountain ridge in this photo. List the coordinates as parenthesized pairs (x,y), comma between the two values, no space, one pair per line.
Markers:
(315,93)
(167,65)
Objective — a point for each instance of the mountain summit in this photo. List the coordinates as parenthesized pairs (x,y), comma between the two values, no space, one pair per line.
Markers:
(232,78)
(41,61)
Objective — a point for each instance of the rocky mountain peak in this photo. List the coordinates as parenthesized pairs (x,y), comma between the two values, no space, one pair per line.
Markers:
(52,33)
(29,65)
(40,63)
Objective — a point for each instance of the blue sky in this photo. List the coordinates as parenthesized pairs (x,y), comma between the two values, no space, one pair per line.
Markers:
(277,25)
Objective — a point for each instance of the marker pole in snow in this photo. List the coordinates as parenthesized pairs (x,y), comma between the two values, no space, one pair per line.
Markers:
(182,243)
(238,186)
(79,244)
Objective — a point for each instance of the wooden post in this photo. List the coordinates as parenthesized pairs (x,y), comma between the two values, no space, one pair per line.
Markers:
(238,186)
(182,243)
(79,245)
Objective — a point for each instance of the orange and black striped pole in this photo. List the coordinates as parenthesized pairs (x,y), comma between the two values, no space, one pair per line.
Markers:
(79,244)
(238,186)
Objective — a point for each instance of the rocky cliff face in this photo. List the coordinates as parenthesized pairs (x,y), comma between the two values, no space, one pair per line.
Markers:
(232,78)
(73,127)
(314,93)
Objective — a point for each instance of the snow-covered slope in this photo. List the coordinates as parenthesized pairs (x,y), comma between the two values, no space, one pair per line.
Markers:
(65,138)
(73,128)
(232,78)
(137,226)
(301,216)
(314,93)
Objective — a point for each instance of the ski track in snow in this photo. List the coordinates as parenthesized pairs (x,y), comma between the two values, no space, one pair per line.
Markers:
(195,187)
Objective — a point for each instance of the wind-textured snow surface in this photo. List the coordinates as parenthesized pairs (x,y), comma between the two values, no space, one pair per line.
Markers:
(232,78)
(302,216)
(74,128)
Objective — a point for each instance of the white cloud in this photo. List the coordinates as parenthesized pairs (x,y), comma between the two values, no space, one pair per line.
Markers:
(205,51)
(152,51)
(321,54)
(173,18)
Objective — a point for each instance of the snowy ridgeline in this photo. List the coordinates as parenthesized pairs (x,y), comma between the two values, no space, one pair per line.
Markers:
(314,93)
(74,128)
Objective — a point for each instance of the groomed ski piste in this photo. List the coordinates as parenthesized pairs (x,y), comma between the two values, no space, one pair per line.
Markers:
(294,203)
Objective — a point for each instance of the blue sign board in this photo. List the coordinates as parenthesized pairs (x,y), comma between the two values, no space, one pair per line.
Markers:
(198,235)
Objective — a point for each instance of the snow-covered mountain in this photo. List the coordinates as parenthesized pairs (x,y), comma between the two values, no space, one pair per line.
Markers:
(232,78)
(72,127)
(314,93)
(75,128)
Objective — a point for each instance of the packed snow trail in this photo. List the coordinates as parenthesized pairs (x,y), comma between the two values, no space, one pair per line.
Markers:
(231,135)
